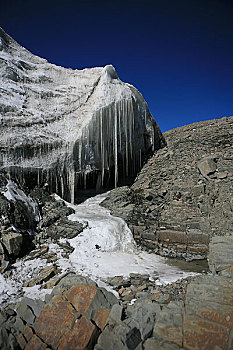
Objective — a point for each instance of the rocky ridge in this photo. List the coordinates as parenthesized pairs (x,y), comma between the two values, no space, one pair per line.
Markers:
(181,202)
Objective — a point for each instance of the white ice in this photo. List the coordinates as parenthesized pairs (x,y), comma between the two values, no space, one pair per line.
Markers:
(118,253)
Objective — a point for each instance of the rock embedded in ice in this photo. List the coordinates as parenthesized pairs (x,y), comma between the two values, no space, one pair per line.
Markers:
(70,128)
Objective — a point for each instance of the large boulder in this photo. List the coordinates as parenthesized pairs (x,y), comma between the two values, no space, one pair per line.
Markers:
(70,128)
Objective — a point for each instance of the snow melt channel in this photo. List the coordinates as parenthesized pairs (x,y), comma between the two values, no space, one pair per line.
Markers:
(106,248)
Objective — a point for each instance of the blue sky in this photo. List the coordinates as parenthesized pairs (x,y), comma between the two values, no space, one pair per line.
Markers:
(178,53)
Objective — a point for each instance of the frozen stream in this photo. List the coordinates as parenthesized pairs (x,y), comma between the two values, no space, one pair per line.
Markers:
(104,249)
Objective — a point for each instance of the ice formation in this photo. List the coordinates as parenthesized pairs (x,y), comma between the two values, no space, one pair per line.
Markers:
(70,128)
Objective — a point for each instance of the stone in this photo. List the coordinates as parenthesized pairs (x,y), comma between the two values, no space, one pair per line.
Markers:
(64,228)
(25,313)
(36,305)
(133,338)
(3,259)
(13,243)
(115,314)
(68,281)
(35,343)
(22,341)
(113,337)
(82,336)
(101,318)
(207,166)
(28,333)
(47,273)
(144,314)
(87,300)
(153,344)
(55,320)
(169,325)
(37,253)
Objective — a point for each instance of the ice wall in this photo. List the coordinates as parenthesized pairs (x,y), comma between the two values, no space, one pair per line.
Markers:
(70,128)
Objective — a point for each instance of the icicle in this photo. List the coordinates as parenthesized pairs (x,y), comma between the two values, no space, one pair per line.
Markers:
(102,147)
(115,146)
(71,185)
(84,181)
(62,186)
(126,138)
(80,154)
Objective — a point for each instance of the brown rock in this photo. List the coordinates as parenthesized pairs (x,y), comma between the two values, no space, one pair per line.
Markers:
(55,320)
(141,288)
(35,344)
(81,297)
(204,335)
(22,341)
(82,336)
(87,300)
(47,273)
(121,290)
(28,333)
(101,318)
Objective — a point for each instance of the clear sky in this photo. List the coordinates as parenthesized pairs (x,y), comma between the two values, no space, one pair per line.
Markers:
(178,53)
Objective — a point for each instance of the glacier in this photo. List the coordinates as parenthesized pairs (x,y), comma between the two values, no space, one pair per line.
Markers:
(72,129)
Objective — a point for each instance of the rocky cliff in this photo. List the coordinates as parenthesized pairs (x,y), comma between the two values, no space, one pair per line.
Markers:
(70,128)
(182,198)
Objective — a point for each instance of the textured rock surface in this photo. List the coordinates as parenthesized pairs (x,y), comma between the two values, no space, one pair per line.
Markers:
(183,195)
(70,128)
(196,314)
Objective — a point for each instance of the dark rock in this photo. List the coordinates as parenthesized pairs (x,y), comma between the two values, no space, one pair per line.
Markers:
(12,243)
(25,313)
(133,338)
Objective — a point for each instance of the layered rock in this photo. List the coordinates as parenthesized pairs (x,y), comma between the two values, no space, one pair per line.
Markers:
(183,195)
(70,128)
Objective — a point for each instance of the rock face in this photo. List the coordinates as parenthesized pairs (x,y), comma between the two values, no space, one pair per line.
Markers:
(70,128)
(183,195)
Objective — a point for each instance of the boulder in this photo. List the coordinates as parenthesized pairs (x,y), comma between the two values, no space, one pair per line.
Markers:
(55,320)
(207,166)
(12,243)
(87,300)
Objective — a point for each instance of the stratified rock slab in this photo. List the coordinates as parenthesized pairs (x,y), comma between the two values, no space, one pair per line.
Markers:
(204,321)
(82,336)
(55,320)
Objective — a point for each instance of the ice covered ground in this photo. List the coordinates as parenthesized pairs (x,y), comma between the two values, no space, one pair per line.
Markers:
(104,249)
